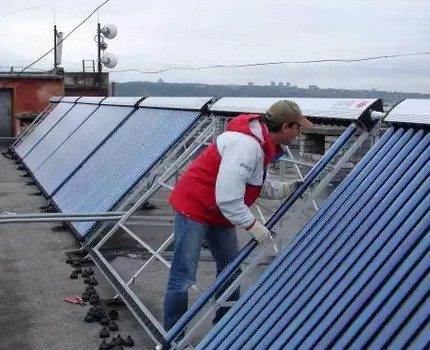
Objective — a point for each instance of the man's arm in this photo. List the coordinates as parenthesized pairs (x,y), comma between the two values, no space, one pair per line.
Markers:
(278,189)
(240,156)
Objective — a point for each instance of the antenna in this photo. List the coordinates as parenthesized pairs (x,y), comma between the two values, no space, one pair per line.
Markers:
(58,48)
(109,60)
(109,31)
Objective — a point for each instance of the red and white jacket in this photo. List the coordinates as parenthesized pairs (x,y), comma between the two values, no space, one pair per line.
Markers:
(227,178)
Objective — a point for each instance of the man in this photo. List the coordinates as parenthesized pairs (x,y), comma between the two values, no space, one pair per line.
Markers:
(215,193)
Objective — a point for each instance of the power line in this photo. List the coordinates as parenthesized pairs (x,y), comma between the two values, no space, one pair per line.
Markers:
(48,52)
(259,64)
(29,8)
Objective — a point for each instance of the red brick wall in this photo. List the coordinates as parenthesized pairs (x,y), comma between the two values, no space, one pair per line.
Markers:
(31,96)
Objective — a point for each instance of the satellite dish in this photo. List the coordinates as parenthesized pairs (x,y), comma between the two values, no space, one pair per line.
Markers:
(109,60)
(109,31)
(103,46)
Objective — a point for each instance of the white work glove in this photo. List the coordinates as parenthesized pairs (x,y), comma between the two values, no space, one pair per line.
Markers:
(259,232)
(290,186)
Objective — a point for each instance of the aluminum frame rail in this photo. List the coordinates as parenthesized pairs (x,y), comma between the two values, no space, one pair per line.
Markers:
(185,150)
(312,195)
(357,275)
(15,218)
(298,171)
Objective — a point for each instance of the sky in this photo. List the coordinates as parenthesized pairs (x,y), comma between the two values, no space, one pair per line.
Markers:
(154,35)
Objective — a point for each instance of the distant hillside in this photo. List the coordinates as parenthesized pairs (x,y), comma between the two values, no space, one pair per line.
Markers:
(144,88)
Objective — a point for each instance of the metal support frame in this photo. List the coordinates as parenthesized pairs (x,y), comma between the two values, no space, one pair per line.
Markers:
(158,252)
(341,162)
(136,307)
(296,167)
(40,117)
(250,264)
(375,133)
(175,161)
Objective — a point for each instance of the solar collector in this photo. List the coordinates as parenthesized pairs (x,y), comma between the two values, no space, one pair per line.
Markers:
(58,135)
(55,115)
(79,146)
(121,162)
(308,297)
(257,291)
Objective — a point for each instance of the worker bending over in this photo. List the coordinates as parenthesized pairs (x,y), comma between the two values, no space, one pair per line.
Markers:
(215,193)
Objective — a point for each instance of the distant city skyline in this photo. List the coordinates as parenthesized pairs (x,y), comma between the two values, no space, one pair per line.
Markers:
(286,84)
(190,33)
(161,88)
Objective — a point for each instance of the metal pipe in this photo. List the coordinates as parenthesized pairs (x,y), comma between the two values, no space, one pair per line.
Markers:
(76,218)
(226,274)
(55,217)
(159,218)
(59,215)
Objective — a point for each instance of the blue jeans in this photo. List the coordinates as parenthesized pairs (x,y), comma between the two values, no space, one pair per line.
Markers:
(188,238)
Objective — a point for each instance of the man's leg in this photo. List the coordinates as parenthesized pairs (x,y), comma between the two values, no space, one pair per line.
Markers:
(222,242)
(188,237)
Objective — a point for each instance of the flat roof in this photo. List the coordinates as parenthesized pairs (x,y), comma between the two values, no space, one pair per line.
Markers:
(27,76)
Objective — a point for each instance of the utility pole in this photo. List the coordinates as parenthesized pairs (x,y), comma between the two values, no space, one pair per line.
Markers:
(55,49)
(99,60)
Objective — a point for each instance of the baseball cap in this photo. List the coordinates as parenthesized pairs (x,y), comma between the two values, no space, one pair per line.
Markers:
(286,111)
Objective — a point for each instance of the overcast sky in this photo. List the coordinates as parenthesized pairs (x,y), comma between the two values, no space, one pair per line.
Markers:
(157,34)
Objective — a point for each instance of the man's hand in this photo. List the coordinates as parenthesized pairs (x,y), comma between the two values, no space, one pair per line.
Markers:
(290,186)
(259,232)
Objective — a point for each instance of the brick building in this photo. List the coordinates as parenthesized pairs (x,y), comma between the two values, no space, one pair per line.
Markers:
(23,97)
